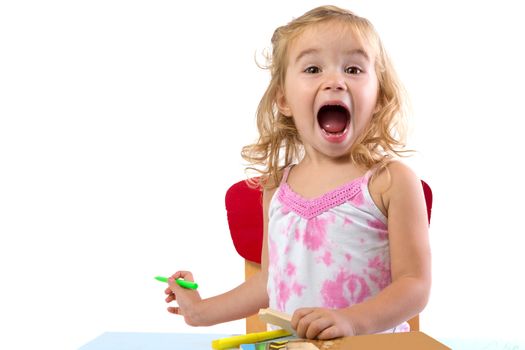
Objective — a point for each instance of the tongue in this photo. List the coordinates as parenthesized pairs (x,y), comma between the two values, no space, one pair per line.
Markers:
(333,119)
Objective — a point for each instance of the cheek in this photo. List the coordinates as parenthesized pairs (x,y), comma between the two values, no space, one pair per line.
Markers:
(294,94)
(368,105)
(300,125)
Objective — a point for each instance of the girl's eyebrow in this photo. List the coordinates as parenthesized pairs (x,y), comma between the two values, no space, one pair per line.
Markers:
(358,52)
(305,53)
(353,52)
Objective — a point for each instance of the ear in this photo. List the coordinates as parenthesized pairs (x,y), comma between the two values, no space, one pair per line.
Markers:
(282,104)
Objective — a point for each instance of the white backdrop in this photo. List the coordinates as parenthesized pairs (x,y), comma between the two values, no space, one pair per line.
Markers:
(121,129)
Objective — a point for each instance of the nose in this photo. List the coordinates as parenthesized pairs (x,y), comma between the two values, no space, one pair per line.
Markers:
(334,81)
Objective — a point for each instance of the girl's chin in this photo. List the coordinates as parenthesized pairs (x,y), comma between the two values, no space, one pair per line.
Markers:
(334,151)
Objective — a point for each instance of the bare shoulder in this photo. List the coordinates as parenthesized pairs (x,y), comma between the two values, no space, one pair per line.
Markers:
(396,180)
(267,197)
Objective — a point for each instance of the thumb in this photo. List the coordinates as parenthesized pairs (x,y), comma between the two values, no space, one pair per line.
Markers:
(176,284)
(186,275)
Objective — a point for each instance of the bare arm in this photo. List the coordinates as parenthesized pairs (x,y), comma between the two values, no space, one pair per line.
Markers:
(408,293)
(240,302)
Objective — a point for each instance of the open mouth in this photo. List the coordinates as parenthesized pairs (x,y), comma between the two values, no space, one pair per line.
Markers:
(333,119)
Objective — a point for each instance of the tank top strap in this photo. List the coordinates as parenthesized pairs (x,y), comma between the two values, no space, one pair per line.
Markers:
(286,172)
(375,168)
(369,173)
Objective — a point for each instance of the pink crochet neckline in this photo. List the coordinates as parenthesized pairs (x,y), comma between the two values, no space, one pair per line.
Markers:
(310,208)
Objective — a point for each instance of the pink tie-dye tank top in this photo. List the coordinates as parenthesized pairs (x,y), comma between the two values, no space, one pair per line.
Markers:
(331,251)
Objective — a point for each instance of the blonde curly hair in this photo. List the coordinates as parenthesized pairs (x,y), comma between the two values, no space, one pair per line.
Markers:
(279,144)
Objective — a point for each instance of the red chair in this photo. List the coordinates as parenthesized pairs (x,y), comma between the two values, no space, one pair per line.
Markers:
(245,220)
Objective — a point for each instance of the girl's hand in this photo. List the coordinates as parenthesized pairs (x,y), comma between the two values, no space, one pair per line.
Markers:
(187,299)
(321,323)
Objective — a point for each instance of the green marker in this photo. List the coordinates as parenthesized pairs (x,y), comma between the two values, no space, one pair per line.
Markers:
(180,282)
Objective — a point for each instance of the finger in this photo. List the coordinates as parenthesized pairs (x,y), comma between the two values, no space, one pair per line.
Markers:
(173,285)
(299,314)
(304,323)
(301,318)
(174,310)
(329,333)
(303,311)
(170,298)
(168,291)
(318,326)
(185,275)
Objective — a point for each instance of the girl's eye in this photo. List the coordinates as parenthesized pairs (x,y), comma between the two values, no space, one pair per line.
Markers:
(312,70)
(353,70)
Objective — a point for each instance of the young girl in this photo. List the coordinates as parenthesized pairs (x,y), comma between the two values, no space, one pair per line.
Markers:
(345,247)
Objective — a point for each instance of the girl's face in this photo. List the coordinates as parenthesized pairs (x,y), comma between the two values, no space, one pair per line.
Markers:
(330,89)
